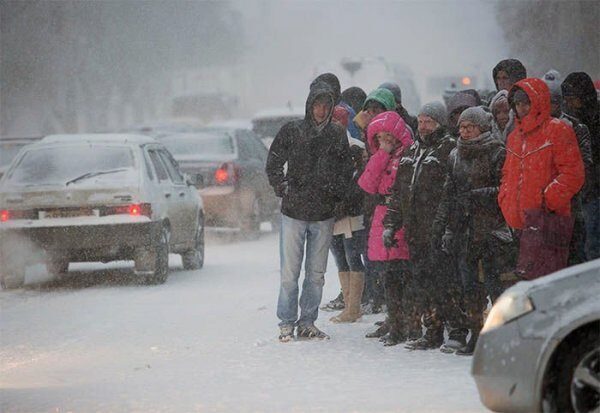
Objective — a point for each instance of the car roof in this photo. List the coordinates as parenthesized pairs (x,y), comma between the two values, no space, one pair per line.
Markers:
(208,133)
(123,138)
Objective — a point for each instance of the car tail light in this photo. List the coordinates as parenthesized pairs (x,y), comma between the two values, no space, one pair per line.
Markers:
(135,210)
(228,173)
(7,214)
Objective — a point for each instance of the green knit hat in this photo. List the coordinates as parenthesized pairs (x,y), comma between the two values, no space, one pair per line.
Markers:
(383,96)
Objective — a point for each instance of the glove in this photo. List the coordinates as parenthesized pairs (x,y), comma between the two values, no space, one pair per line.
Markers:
(282,189)
(389,239)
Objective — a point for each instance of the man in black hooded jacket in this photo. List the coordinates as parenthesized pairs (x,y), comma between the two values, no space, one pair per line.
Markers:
(319,168)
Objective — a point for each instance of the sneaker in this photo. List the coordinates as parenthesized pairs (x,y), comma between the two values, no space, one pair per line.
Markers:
(336,304)
(381,331)
(469,349)
(311,332)
(286,333)
(457,339)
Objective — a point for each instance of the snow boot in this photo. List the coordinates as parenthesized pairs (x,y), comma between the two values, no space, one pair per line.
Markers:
(381,331)
(286,333)
(433,338)
(469,349)
(356,284)
(311,332)
(393,339)
(457,339)
(344,277)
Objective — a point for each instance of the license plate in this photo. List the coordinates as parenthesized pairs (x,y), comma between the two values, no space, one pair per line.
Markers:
(68,213)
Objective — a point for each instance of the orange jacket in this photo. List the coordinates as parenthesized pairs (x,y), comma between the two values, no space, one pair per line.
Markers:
(543,163)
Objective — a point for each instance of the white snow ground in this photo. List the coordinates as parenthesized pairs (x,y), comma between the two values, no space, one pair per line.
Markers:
(204,342)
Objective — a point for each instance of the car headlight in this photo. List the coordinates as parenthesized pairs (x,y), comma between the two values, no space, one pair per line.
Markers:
(508,307)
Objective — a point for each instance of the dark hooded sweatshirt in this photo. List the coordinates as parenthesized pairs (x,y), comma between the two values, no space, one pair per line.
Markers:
(319,166)
(513,68)
(580,84)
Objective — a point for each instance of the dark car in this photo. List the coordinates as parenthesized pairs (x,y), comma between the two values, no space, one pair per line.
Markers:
(229,165)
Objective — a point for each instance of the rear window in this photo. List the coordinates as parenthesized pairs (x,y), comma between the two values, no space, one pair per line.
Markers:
(60,164)
(269,127)
(200,144)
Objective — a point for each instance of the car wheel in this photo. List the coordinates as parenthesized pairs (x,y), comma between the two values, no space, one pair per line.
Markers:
(578,378)
(57,264)
(251,226)
(12,273)
(194,259)
(154,264)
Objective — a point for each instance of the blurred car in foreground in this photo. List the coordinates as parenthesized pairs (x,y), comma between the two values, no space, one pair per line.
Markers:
(98,198)
(266,124)
(229,166)
(539,349)
(9,147)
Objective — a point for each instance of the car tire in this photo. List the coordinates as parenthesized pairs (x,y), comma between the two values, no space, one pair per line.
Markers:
(194,258)
(250,228)
(155,263)
(12,273)
(572,394)
(57,265)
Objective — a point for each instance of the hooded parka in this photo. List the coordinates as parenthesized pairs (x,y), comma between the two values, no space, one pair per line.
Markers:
(378,178)
(319,165)
(543,166)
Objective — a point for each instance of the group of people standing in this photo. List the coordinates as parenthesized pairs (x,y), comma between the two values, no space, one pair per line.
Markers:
(432,208)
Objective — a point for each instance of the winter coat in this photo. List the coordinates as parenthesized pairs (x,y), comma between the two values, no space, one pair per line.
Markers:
(471,191)
(588,191)
(319,166)
(543,164)
(418,188)
(378,178)
(513,68)
(581,85)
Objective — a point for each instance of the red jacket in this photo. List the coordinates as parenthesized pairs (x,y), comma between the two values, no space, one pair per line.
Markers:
(543,162)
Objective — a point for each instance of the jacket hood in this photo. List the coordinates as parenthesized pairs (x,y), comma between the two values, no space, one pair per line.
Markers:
(392,123)
(333,82)
(513,67)
(539,96)
(581,85)
(383,96)
(317,90)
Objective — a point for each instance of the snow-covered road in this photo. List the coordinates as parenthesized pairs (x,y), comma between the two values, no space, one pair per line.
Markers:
(206,341)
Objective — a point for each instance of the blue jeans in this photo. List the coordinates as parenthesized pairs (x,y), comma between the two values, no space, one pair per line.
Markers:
(591,213)
(294,235)
(347,252)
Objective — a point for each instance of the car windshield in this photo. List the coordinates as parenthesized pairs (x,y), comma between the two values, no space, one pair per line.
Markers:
(60,164)
(213,144)
(8,152)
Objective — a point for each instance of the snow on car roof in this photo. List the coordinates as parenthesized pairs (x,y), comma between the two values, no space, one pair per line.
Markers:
(97,137)
(279,112)
(231,124)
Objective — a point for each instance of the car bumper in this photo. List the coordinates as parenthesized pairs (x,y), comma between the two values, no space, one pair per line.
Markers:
(504,369)
(222,206)
(83,234)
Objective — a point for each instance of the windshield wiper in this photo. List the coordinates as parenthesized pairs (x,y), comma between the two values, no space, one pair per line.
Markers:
(92,174)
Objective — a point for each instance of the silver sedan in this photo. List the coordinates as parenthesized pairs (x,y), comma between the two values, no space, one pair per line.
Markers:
(540,347)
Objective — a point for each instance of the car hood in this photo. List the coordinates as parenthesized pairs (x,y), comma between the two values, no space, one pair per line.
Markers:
(569,287)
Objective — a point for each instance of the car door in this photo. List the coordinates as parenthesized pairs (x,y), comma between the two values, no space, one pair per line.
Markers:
(183,201)
(166,193)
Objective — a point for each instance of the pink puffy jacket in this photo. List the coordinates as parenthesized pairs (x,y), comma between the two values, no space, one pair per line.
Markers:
(378,178)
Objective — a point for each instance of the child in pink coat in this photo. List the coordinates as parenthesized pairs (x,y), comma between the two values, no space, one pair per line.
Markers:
(387,138)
